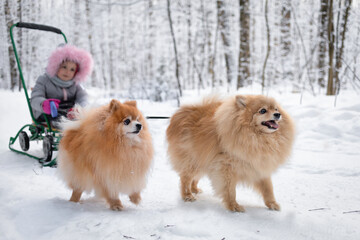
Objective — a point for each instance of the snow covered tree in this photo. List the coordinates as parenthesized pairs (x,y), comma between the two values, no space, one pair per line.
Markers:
(9,18)
(175,47)
(343,18)
(244,52)
(268,48)
(322,42)
(336,39)
(141,52)
(224,29)
(286,41)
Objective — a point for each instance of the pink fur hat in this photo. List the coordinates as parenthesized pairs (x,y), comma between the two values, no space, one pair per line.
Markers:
(71,53)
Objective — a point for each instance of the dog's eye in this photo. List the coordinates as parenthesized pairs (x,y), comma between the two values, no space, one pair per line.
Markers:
(262,111)
(127,122)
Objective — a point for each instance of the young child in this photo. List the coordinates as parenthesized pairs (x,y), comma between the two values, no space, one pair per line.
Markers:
(67,67)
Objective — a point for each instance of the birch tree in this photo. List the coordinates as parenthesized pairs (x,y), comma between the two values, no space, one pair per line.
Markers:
(9,18)
(268,48)
(90,28)
(175,48)
(341,33)
(4,60)
(244,52)
(224,30)
(322,42)
(285,40)
(151,38)
(331,42)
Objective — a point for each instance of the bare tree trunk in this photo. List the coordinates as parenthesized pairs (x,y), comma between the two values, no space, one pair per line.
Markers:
(285,28)
(191,61)
(77,22)
(213,57)
(340,49)
(331,37)
(285,40)
(12,61)
(150,68)
(223,20)
(103,54)
(322,43)
(90,38)
(308,59)
(244,53)
(209,44)
(175,48)
(354,57)
(268,49)
(19,36)
(111,38)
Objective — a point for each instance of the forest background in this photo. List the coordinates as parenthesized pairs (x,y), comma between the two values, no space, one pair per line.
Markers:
(156,49)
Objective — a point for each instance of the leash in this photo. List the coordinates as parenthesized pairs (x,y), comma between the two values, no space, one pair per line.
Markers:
(157,117)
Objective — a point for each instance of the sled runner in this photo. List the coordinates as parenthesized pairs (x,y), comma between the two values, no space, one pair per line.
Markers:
(36,131)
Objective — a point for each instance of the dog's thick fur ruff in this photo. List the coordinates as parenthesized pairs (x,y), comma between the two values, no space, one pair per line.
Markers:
(107,153)
(240,139)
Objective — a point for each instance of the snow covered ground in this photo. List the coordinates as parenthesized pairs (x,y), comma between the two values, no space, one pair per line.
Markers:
(318,189)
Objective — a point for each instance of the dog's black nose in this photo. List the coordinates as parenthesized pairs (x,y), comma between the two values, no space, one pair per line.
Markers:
(277,116)
(138,127)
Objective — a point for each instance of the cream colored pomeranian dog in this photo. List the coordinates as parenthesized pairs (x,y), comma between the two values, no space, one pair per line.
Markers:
(108,150)
(243,139)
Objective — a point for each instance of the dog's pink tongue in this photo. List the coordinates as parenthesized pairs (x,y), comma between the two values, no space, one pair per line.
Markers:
(273,124)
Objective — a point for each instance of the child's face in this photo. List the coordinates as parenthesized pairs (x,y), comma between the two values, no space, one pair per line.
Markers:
(66,71)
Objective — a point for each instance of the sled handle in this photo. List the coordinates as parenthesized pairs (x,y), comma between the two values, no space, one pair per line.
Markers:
(38,27)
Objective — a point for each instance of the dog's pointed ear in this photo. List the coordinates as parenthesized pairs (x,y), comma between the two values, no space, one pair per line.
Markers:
(114,105)
(241,101)
(130,103)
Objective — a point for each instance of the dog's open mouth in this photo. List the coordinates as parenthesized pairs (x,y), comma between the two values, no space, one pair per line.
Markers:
(271,124)
(135,132)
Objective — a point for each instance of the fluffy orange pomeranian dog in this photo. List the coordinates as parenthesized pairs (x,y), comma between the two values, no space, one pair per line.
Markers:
(109,150)
(241,139)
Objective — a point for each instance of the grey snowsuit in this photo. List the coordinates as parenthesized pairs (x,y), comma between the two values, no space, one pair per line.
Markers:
(45,89)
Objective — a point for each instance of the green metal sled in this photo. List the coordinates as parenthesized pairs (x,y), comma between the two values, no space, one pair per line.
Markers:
(38,131)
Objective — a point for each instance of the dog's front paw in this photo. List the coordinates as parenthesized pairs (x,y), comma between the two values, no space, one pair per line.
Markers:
(135,198)
(189,198)
(115,204)
(116,207)
(235,207)
(273,205)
